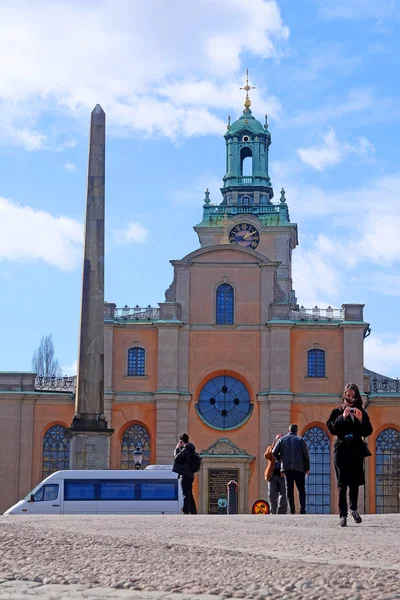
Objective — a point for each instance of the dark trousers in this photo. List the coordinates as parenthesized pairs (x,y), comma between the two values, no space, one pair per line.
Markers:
(299,478)
(189,505)
(277,495)
(353,494)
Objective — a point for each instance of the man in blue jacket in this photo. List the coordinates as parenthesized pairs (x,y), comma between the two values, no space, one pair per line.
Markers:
(292,452)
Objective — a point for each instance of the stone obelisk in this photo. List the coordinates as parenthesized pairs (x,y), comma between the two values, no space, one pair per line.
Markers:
(89,432)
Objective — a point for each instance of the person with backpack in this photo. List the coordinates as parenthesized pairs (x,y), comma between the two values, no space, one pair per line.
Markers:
(186,464)
(292,452)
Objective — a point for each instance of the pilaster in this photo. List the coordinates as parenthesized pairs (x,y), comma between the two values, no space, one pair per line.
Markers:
(353,354)
(279,406)
(168,343)
(167,426)
(280,356)
(265,441)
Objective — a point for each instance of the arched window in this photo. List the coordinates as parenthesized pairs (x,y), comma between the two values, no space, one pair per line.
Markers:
(136,361)
(135,435)
(318,482)
(388,471)
(316,363)
(246,162)
(224,304)
(55,450)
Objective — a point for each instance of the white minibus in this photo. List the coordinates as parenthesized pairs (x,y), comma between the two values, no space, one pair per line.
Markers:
(154,490)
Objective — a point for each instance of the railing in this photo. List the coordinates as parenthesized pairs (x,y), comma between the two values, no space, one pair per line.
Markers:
(55,384)
(384,385)
(137,313)
(317,314)
(237,209)
(245,180)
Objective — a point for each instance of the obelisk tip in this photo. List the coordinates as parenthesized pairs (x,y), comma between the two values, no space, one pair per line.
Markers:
(98,110)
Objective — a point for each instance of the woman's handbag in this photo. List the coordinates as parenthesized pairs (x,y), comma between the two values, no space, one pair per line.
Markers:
(366,451)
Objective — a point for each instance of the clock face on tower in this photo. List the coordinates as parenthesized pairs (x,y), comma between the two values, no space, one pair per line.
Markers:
(245,235)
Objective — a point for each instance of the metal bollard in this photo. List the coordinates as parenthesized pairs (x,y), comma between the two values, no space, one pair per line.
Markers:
(232,497)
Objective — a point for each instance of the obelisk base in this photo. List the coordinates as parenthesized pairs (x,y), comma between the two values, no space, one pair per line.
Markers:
(89,449)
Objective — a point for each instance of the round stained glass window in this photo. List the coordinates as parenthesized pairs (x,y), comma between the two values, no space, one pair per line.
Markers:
(224,403)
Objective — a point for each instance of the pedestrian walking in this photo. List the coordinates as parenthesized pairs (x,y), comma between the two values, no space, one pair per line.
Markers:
(292,452)
(183,455)
(350,423)
(276,481)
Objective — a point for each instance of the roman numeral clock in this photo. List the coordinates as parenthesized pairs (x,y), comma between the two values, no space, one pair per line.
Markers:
(245,235)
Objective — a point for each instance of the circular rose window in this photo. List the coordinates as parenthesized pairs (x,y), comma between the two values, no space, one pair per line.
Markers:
(224,403)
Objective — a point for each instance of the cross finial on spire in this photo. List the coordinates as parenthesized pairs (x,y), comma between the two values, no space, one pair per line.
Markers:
(247,87)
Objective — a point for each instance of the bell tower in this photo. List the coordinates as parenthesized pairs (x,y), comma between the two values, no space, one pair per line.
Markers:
(247,215)
(247,141)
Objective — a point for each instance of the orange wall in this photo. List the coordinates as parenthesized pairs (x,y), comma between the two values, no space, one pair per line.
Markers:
(124,338)
(240,350)
(328,339)
(203,285)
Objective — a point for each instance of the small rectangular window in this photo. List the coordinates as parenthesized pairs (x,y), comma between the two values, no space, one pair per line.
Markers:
(159,490)
(117,490)
(80,490)
(316,363)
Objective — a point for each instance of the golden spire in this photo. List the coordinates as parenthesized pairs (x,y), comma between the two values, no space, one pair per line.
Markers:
(247,87)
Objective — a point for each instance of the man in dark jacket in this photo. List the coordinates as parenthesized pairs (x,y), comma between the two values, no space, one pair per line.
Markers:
(292,452)
(182,465)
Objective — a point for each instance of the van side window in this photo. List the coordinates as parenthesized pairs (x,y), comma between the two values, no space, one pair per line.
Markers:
(47,492)
(79,490)
(117,490)
(159,490)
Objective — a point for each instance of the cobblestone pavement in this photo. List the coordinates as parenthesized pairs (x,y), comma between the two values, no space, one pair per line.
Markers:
(281,557)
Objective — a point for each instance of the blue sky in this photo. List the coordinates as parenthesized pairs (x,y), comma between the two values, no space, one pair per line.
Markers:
(167,75)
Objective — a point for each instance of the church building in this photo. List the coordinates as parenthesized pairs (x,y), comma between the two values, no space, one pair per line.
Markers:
(229,357)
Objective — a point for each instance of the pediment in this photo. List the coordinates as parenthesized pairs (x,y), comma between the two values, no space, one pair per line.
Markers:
(226,253)
(224,447)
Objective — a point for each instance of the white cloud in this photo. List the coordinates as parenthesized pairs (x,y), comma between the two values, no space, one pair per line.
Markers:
(71,369)
(133,233)
(70,166)
(27,235)
(382,354)
(126,58)
(333,152)
(317,280)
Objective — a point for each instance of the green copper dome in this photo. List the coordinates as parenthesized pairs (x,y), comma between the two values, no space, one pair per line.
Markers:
(246,123)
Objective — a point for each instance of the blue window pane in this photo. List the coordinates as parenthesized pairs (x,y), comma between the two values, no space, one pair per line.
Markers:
(318,482)
(136,358)
(80,490)
(117,490)
(55,451)
(316,363)
(387,471)
(224,402)
(159,490)
(224,304)
(47,492)
(135,435)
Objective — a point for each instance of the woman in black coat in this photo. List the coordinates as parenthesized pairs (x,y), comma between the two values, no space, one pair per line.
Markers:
(350,423)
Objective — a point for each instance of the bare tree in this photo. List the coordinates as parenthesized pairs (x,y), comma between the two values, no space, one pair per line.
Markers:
(43,361)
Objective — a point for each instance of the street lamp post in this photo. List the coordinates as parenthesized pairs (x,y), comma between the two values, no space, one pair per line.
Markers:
(138,457)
